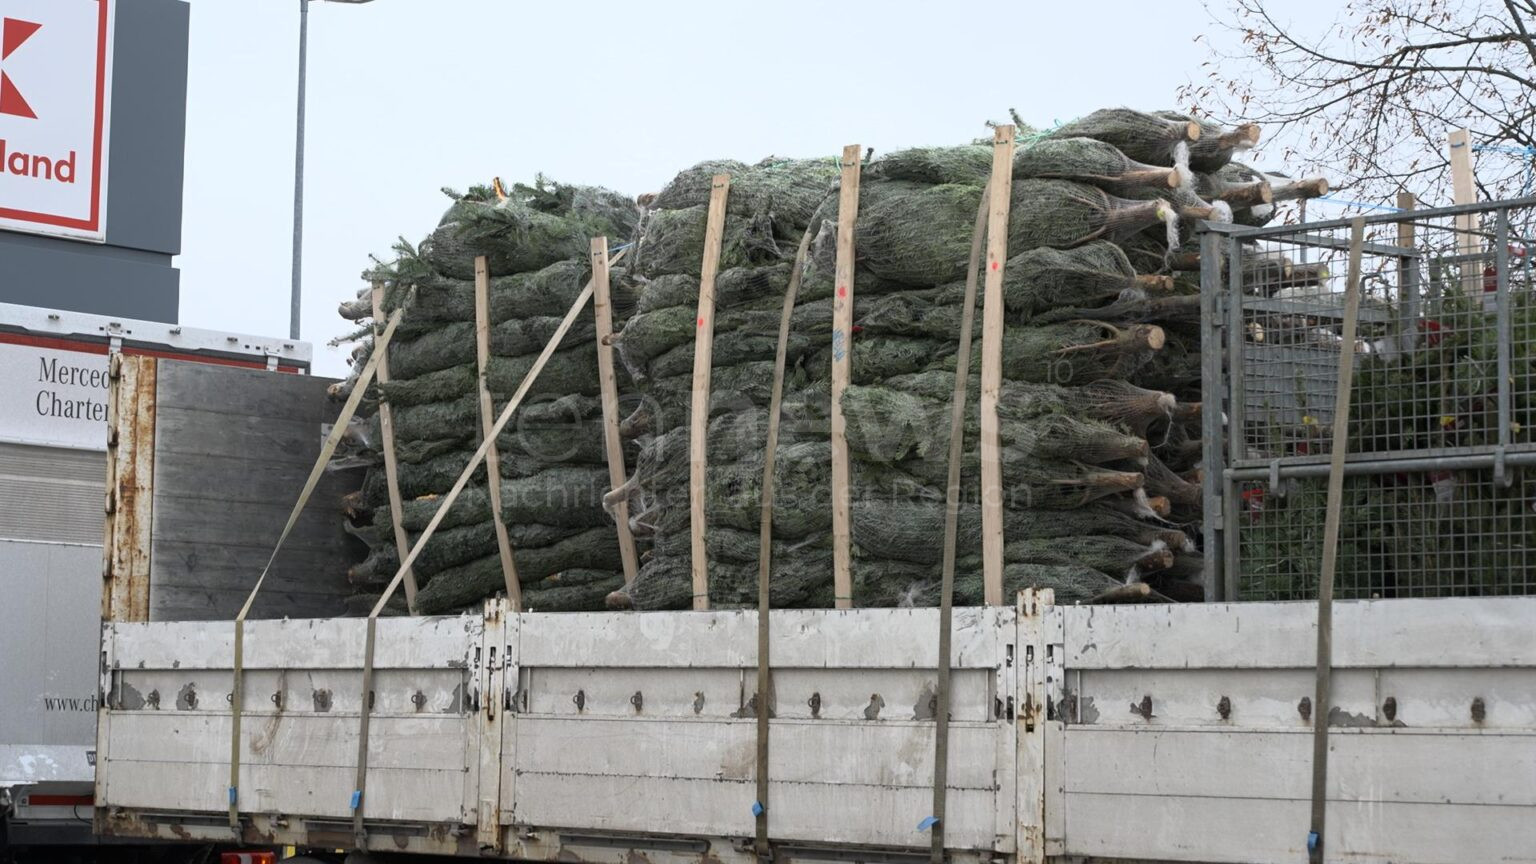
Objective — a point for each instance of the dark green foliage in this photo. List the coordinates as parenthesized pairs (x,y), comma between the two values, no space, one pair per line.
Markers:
(787,190)
(916,234)
(1085,160)
(536,226)
(1141,136)
(967,165)
(1061,214)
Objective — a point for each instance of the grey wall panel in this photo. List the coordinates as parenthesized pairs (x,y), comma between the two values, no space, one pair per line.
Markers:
(78,277)
(149,125)
(233,448)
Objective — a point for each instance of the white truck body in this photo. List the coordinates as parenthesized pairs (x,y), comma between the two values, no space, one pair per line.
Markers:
(54,397)
(1160,733)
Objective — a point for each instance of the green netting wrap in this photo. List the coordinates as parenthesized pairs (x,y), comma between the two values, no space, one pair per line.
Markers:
(904,531)
(571,370)
(1173,369)
(562,495)
(1141,136)
(567,589)
(1076,352)
(1098,350)
(534,227)
(1186,496)
(1087,160)
(1132,307)
(916,234)
(767,208)
(547,291)
(673,242)
(1111,400)
(733,287)
(967,165)
(889,425)
(1044,279)
(480,575)
(1215,146)
(1063,214)
(788,190)
(453,344)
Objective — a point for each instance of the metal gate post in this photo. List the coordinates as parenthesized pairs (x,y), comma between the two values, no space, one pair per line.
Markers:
(1235,419)
(1031,720)
(1501,286)
(499,686)
(1211,376)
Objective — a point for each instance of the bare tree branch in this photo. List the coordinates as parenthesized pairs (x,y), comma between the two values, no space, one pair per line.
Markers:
(1369,97)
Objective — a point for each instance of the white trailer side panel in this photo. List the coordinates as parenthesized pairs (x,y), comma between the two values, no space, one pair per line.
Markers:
(608,738)
(645,723)
(1432,753)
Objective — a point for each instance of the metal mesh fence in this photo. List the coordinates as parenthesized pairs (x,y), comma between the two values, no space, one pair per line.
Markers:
(1438,499)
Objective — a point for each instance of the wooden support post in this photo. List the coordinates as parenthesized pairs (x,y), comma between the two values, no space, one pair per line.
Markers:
(703,366)
(842,367)
(391,464)
(487,412)
(1001,192)
(444,504)
(1332,515)
(602,308)
(1407,270)
(1464,191)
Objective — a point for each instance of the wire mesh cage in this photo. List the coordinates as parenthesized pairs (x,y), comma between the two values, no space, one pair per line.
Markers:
(1440,463)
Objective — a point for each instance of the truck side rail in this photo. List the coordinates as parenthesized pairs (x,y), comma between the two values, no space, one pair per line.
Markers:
(1160,733)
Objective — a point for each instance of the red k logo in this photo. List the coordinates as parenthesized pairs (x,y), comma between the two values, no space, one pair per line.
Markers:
(13,33)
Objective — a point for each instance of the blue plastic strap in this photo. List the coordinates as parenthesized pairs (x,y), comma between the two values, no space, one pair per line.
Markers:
(1311,841)
(757,808)
(927,823)
(357,798)
(234,795)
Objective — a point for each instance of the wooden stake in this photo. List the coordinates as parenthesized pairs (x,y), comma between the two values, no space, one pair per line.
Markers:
(602,308)
(842,364)
(1000,191)
(703,366)
(1331,517)
(488,411)
(391,464)
(1464,191)
(445,503)
(1407,283)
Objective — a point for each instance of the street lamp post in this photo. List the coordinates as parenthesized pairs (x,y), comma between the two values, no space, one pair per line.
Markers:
(298,171)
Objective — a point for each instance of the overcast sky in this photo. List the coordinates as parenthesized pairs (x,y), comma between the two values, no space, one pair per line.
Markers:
(409,96)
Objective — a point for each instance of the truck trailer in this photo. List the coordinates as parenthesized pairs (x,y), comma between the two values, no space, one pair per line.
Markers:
(234,712)
(55,374)
(1195,732)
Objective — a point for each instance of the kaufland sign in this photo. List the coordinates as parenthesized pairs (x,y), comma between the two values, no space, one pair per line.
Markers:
(55,106)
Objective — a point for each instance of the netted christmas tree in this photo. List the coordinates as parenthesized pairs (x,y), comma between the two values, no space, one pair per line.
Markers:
(553,475)
(1098,413)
